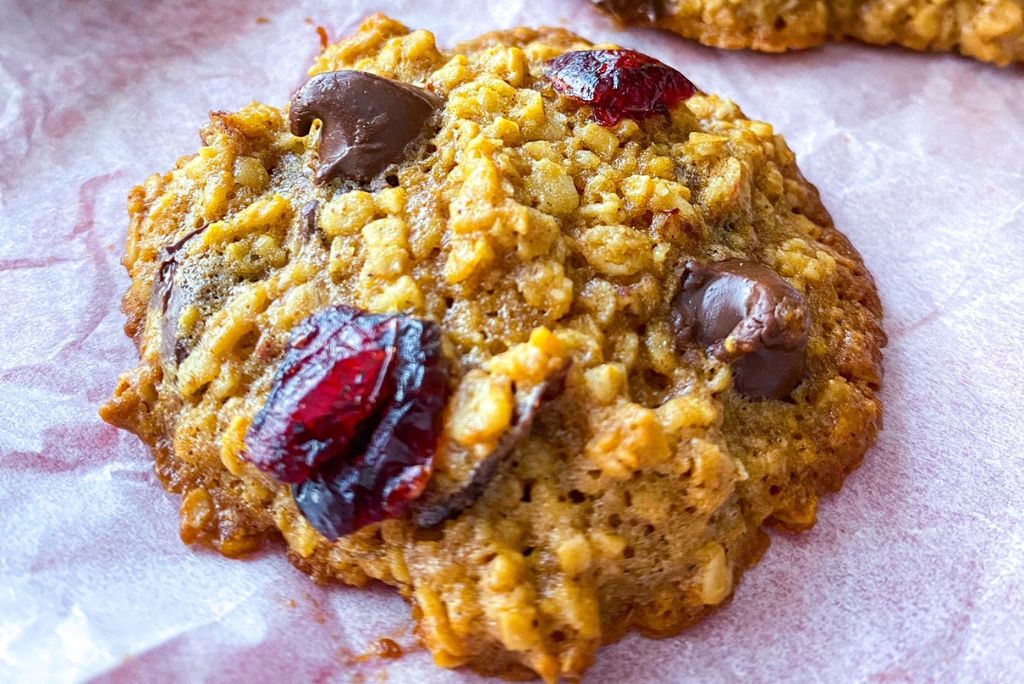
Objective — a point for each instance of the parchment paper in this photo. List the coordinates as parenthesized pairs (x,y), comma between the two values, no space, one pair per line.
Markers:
(915,571)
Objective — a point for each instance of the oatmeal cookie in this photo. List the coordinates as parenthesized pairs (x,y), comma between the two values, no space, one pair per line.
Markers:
(531,329)
(988,30)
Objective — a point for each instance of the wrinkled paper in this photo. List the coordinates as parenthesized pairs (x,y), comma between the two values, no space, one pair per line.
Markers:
(915,571)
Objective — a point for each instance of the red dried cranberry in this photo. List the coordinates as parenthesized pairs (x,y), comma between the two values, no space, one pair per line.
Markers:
(353,418)
(619,84)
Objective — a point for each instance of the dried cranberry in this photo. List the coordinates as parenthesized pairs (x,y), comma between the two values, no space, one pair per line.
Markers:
(353,418)
(619,84)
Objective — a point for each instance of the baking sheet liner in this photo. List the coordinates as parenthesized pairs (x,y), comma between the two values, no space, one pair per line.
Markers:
(915,571)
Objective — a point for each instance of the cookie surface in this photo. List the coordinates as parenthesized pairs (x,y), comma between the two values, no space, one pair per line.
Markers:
(655,341)
(988,30)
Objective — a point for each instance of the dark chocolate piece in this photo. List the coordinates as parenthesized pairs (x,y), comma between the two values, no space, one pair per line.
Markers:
(440,506)
(310,218)
(633,11)
(369,122)
(747,315)
(167,293)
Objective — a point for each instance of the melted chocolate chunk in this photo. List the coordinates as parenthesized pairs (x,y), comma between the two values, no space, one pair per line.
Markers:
(310,218)
(168,295)
(447,502)
(632,11)
(168,265)
(369,122)
(747,315)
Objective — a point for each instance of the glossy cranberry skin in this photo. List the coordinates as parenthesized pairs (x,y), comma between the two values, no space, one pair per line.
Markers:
(353,417)
(619,84)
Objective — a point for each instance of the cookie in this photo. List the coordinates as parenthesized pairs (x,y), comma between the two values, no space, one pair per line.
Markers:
(988,30)
(531,329)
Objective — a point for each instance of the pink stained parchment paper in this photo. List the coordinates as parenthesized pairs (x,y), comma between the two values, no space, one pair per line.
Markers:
(915,572)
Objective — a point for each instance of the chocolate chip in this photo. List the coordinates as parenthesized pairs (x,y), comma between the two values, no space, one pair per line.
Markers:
(629,11)
(747,315)
(171,346)
(447,500)
(168,265)
(310,215)
(167,294)
(369,122)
